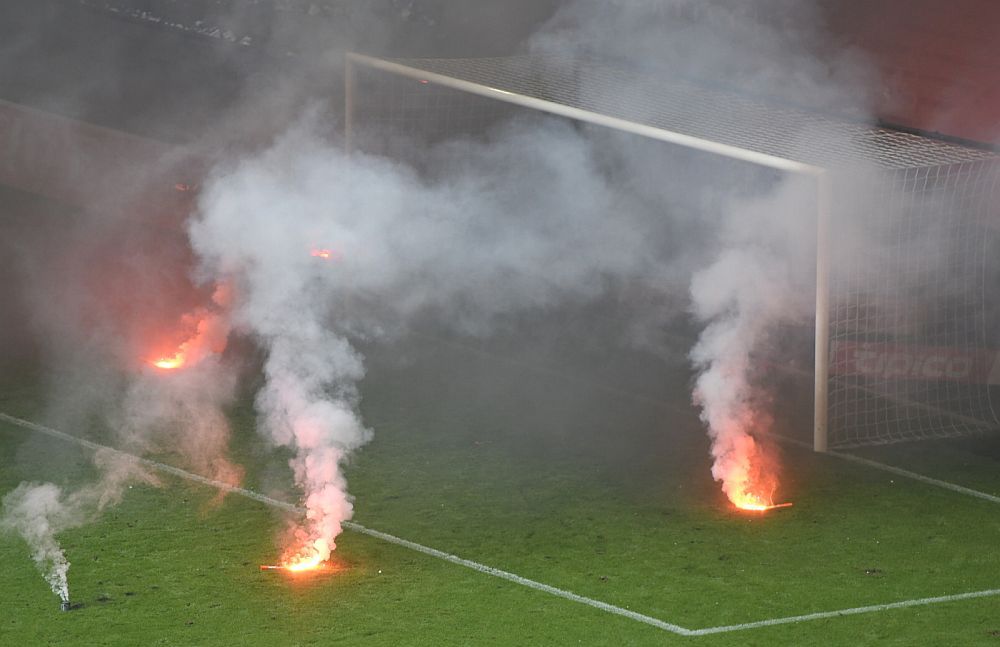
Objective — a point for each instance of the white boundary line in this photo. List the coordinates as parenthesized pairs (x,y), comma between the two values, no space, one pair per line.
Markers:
(506,575)
(894,470)
(917,477)
(517,579)
(426,550)
(690,412)
(845,612)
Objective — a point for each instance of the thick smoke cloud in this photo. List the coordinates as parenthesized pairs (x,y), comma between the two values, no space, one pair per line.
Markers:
(323,250)
(758,281)
(518,222)
(753,276)
(777,49)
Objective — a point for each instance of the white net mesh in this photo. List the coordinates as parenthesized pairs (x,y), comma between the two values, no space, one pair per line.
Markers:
(912,327)
(911,316)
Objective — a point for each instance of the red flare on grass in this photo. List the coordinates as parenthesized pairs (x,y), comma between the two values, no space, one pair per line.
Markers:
(325,253)
(304,567)
(169,363)
(756,506)
(748,471)
(210,329)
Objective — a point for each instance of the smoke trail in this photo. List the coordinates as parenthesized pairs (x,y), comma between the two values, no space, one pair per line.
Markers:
(309,403)
(39,511)
(779,49)
(753,285)
(175,401)
(492,228)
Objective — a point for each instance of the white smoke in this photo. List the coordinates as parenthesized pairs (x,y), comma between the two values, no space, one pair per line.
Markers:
(525,219)
(182,412)
(518,222)
(39,511)
(755,275)
(759,280)
(181,408)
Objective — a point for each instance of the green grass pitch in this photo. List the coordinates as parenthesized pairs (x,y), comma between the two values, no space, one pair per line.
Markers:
(579,478)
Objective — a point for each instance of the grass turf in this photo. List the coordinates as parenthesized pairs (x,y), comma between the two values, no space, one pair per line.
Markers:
(555,477)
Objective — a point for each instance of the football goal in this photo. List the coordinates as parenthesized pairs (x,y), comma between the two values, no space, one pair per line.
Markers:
(907,297)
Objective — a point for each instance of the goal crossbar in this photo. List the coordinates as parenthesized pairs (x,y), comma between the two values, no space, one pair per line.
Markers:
(699,117)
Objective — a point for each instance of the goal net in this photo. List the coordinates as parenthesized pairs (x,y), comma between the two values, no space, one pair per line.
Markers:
(906,316)
(913,322)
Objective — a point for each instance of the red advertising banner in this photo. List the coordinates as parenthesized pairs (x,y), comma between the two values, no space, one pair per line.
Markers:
(910,362)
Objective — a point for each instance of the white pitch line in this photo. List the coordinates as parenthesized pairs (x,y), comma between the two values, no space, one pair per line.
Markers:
(690,412)
(693,414)
(506,575)
(523,581)
(845,612)
(917,477)
(356,527)
(895,470)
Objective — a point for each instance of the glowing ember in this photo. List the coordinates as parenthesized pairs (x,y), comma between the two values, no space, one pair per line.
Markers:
(305,564)
(309,556)
(314,565)
(169,363)
(208,330)
(748,470)
(325,254)
(755,504)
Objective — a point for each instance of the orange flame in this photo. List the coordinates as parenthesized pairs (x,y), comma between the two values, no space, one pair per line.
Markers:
(756,504)
(304,564)
(324,253)
(308,557)
(169,363)
(210,329)
(296,569)
(301,563)
(748,471)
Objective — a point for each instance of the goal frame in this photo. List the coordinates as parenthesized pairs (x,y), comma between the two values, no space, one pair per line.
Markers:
(819,175)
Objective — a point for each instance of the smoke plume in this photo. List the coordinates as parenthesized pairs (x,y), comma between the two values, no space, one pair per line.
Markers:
(492,228)
(39,511)
(752,287)
(310,251)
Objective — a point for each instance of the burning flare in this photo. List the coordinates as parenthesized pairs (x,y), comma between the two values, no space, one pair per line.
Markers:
(324,253)
(210,328)
(302,563)
(747,472)
(169,363)
(312,564)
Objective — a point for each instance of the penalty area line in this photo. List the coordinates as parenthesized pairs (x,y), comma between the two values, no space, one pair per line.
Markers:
(898,471)
(356,527)
(822,615)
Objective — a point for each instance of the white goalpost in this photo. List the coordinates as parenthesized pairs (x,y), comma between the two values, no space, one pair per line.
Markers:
(903,337)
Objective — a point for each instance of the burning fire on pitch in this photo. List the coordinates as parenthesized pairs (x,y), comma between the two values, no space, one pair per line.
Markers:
(307,402)
(748,473)
(206,329)
(746,468)
(735,408)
